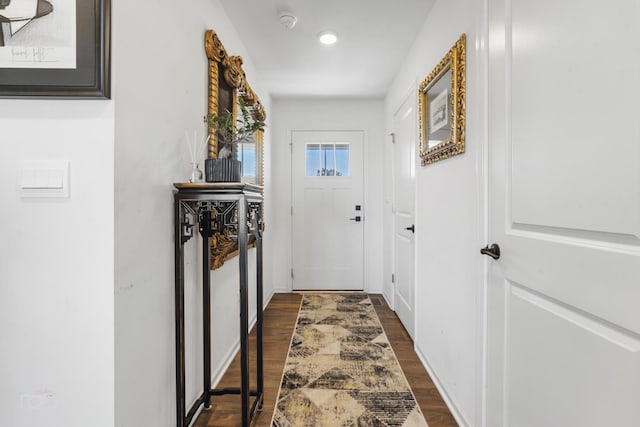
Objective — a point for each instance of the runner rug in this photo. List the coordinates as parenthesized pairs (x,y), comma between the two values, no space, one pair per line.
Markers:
(341,369)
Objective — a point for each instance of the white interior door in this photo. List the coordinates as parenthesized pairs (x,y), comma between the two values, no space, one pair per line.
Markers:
(328,211)
(564,140)
(404,147)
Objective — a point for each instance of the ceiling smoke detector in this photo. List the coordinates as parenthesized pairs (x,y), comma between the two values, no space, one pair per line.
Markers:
(288,20)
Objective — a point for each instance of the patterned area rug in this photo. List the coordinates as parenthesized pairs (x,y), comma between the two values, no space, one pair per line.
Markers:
(341,370)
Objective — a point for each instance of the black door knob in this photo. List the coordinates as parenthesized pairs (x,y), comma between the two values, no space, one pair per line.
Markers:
(493,251)
(412,228)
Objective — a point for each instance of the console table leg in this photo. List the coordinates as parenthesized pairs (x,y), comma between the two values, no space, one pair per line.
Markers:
(244,310)
(205,231)
(259,298)
(179,313)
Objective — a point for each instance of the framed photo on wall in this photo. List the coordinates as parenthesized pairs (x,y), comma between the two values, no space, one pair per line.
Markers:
(442,98)
(439,112)
(55,48)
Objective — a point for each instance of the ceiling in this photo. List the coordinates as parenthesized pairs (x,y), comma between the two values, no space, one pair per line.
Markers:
(374,37)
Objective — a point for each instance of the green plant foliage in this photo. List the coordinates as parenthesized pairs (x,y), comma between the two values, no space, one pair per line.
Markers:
(232,131)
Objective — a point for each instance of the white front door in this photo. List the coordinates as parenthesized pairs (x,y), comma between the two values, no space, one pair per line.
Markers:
(563,300)
(404,147)
(328,210)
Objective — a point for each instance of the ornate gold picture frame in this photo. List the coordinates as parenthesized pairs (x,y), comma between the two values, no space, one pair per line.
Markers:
(442,97)
(228,83)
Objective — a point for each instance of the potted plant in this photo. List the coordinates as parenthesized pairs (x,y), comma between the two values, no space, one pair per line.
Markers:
(230,131)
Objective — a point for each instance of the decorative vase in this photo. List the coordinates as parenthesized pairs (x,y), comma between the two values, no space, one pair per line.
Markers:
(222,170)
(196,173)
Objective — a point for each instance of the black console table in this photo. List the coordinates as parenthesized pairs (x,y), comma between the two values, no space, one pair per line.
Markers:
(236,210)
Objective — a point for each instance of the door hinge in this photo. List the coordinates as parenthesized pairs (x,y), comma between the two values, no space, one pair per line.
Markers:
(393,278)
(292,273)
(291,210)
(393,137)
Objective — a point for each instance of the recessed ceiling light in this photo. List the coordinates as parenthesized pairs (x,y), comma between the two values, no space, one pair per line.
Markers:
(328,37)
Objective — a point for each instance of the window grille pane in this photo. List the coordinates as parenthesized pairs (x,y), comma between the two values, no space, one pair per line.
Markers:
(342,159)
(247,155)
(327,159)
(313,159)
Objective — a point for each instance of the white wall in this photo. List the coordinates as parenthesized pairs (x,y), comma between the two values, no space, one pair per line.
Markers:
(450,219)
(327,114)
(57,257)
(56,268)
(161,75)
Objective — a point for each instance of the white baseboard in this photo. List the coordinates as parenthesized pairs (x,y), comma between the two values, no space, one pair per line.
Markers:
(235,348)
(388,300)
(268,299)
(226,362)
(452,407)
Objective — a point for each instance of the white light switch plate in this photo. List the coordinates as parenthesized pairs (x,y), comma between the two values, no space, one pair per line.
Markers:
(44,178)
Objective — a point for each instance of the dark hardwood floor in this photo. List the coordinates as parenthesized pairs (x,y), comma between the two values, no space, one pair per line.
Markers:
(433,407)
(279,320)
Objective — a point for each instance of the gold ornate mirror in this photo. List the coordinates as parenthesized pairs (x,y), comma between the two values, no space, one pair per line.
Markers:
(227,84)
(442,107)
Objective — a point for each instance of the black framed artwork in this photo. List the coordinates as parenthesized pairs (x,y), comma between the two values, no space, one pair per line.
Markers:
(55,48)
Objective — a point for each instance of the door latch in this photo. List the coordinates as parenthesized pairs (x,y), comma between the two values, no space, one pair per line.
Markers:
(356,219)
